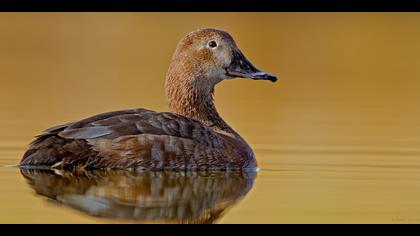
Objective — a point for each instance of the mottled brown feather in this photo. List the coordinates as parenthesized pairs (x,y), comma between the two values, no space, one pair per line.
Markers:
(139,139)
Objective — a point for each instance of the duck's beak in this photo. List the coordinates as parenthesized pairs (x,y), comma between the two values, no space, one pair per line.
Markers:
(241,67)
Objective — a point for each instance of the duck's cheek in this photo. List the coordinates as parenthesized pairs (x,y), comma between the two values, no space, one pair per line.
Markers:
(216,74)
(223,58)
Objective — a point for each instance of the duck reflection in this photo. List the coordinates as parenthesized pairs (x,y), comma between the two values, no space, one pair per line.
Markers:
(161,197)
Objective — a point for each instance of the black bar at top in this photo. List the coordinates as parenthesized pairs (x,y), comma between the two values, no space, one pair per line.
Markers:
(210,6)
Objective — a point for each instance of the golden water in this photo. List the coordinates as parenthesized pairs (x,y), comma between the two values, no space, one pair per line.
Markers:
(337,137)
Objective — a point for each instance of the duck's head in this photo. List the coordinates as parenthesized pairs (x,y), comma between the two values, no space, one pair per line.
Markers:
(207,56)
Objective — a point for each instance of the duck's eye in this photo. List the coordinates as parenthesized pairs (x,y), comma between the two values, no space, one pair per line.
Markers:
(212,44)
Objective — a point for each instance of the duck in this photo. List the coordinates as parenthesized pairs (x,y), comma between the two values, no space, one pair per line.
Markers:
(190,136)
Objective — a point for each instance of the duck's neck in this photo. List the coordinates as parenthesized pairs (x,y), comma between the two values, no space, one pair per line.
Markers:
(194,101)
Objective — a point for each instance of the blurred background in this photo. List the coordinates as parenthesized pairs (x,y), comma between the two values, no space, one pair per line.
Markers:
(335,136)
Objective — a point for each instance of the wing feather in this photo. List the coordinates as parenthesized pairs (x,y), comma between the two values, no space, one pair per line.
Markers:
(118,124)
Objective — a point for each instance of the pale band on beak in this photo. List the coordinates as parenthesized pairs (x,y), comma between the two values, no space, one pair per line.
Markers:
(243,68)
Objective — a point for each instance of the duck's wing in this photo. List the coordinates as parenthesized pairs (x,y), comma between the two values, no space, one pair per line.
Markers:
(113,125)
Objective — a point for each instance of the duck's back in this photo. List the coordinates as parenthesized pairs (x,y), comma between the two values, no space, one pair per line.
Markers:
(136,138)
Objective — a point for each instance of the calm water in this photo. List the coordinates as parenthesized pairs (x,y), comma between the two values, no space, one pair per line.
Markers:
(337,137)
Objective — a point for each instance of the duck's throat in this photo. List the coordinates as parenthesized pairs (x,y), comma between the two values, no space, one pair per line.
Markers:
(196,103)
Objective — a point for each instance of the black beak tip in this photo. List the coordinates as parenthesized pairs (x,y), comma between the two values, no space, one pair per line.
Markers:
(272,78)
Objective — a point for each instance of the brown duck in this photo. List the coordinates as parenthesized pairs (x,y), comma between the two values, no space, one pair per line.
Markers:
(191,136)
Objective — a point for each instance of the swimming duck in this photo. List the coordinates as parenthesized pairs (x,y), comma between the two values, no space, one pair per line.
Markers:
(191,136)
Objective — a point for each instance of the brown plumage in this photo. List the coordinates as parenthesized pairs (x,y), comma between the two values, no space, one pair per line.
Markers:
(191,136)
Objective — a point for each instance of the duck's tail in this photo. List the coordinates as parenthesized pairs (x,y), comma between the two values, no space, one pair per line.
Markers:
(49,149)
